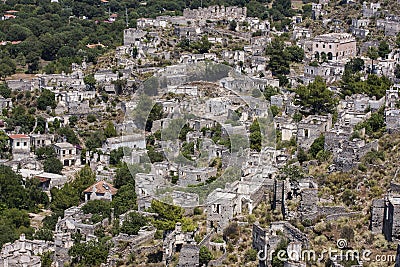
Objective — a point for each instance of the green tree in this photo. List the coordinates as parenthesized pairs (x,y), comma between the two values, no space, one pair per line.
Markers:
(205,256)
(5,91)
(116,155)
(316,98)
(91,118)
(397,71)
(276,261)
(383,49)
(168,215)
(133,223)
(270,91)
(232,25)
(90,253)
(275,110)
(69,134)
(73,120)
(110,130)
(317,146)
(295,53)
(125,199)
(373,54)
(250,255)
(46,99)
(100,209)
(302,155)
(355,65)
(4,145)
(44,234)
(90,81)
(255,136)
(52,165)
(125,175)
(95,140)
(45,152)
(278,62)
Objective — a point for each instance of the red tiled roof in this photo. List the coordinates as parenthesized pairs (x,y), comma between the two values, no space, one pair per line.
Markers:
(43,179)
(18,136)
(101,188)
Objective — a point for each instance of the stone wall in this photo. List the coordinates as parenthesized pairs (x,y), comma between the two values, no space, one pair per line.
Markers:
(189,256)
(377,215)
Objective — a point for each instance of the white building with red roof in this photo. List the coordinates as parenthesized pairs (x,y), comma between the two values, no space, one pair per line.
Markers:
(100,190)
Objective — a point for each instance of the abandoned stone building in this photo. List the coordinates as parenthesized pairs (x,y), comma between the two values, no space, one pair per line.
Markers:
(311,128)
(237,198)
(189,256)
(191,176)
(392,112)
(216,13)
(5,103)
(301,33)
(50,180)
(23,85)
(334,46)
(384,217)
(146,187)
(132,36)
(330,71)
(131,141)
(40,140)
(391,25)
(370,9)
(75,221)
(318,11)
(267,240)
(350,153)
(143,23)
(24,252)
(175,241)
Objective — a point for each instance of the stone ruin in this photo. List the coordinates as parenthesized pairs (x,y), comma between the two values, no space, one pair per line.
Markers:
(24,252)
(216,13)
(267,240)
(175,241)
(311,128)
(384,217)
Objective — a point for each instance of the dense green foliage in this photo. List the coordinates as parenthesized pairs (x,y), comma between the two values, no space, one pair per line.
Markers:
(133,223)
(372,86)
(16,198)
(280,58)
(375,125)
(52,165)
(317,146)
(69,134)
(46,99)
(71,193)
(100,209)
(204,256)
(255,136)
(20,116)
(316,98)
(91,253)
(168,215)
